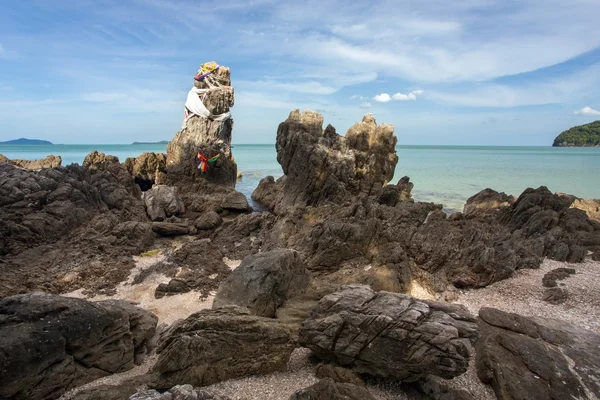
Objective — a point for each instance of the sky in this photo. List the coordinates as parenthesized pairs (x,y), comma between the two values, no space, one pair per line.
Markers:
(474,72)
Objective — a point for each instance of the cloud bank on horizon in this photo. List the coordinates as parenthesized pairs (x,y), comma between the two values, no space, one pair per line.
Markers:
(108,71)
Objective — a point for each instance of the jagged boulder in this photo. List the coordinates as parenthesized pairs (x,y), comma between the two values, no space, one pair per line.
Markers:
(327,389)
(537,358)
(51,344)
(392,194)
(321,166)
(390,335)
(215,345)
(263,282)
(208,220)
(162,201)
(268,192)
(146,169)
(486,202)
(50,161)
(546,220)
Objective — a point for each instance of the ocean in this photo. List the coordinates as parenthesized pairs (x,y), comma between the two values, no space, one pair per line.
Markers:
(447,175)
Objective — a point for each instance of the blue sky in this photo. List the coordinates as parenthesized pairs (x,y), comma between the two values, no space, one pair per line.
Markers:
(470,72)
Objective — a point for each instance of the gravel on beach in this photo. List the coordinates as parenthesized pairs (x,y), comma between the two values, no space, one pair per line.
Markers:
(521,294)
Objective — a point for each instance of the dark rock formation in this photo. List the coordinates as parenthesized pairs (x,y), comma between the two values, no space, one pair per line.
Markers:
(327,389)
(146,169)
(267,192)
(390,335)
(338,374)
(208,220)
(436,388)
(175,286)
(162,201)
(558,274)
(235,201)
(536,358)
(180,392)
(486,202)
(51,344)
(552,228)
(555,295)
(320,166)
(171,228)
(263,282)
(66,228)
(33,165)
(392,194)
(215,345)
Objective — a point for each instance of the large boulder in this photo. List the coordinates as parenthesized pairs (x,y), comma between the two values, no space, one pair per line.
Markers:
(263,282)
(327,389)
(321,166)
(486,202)
(51,344)
(162,201)
(537,358)
(390,335)
(215,345)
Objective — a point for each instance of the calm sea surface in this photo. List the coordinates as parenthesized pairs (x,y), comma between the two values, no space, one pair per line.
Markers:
(442,174)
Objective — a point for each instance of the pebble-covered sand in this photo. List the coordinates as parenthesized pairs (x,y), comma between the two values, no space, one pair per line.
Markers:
(522,294)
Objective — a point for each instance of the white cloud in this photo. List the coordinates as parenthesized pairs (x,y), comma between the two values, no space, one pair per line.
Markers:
(365,105)
(382,98)
(411,96)
(358,97)
(587,111)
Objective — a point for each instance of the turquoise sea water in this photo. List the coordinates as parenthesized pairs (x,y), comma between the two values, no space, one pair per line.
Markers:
(442,174)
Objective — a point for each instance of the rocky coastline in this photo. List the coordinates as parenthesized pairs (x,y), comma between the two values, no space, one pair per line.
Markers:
(153,278)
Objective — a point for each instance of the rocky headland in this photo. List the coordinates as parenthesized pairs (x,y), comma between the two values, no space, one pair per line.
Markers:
(587,135)
(153,278)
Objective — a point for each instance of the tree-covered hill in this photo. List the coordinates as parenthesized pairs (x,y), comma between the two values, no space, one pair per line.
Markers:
(580,136)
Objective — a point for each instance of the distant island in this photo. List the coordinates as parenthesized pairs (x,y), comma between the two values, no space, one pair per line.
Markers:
(161,142)
(587,135)
(23,141)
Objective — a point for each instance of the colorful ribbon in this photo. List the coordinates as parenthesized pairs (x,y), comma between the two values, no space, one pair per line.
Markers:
(203,166)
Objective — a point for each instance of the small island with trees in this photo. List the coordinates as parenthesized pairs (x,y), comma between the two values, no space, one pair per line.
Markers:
(587,135)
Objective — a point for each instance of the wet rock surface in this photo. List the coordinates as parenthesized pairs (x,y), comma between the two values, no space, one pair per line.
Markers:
(537,358)
(214,345)
(52,343)
(390,335)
